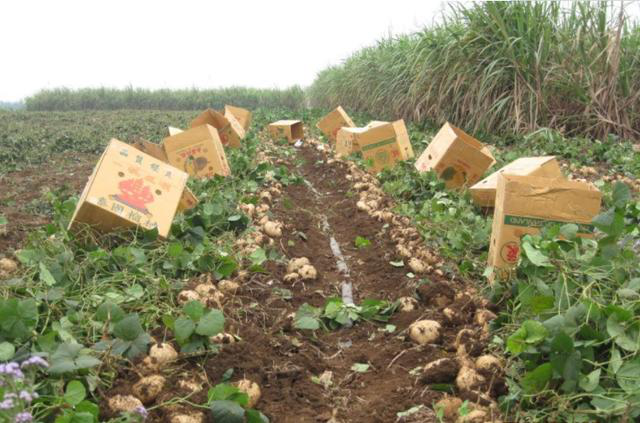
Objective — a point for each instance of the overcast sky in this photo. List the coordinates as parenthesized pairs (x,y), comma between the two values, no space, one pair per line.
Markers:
(189,43)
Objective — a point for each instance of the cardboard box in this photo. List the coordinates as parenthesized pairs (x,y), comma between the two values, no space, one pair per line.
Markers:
(197,151)
(174,131)
(524,204)
(129,188)
(188,199)
(484,192)
(456,157)
(375,123)
(243,116)
(332,122)
(229,129)
(385,145)
(292,130)
(347,141)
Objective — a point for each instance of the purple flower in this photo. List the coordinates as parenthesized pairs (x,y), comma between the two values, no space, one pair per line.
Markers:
(26,396)
(35,361)
(7,404)
(12,369)
(142,412)
(23,417)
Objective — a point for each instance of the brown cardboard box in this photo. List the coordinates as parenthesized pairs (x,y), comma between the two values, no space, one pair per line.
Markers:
(456,157)
(229,129)
(333,121)
(385,145)
(188,199)
(524,204)
(243,116)
(292,130)
(198,151)
(375,123)
(484,192)
(130,188)
(347,141)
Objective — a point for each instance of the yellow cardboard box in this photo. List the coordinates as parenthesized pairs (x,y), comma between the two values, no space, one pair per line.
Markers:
(456,157)
(130,188)
(484,192)
(524,204)
(197,151)
(347,140)
(292,130)
(229,129)
(384,145)
(243,116)
(333,121)
(188,199)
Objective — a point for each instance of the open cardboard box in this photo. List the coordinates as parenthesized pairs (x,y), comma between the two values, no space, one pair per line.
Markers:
(197,151)
(333,122)
(229,129)
(385,144)
(292,130)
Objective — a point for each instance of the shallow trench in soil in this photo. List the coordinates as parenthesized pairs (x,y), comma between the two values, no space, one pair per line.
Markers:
(283,360)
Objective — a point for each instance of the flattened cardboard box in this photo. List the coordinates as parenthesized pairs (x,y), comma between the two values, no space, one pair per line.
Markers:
(229,129)
(484,192)
(456,157)
(524,204)
(130,188)
(292,130)
(243,116)
(333,121)
(197,151)
(188,199)
(385,145)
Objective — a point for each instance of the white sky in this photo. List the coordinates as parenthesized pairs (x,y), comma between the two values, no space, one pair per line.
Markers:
(189,43)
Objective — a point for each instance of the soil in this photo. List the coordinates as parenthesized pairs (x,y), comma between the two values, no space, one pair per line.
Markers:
(22,195)
(285,362)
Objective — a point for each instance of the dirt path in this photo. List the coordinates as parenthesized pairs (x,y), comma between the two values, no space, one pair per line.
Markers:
(285,361)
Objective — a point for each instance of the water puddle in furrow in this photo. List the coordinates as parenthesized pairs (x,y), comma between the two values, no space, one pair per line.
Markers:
(341,262)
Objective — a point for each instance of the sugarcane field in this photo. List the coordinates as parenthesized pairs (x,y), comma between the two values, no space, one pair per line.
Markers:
(403,213)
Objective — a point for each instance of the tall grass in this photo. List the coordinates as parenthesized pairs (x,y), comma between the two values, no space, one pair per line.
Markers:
(165,99)
(501,67)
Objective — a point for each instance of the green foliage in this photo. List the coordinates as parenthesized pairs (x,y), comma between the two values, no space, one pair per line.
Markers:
(336,314)
(228,405)
(60,99)
(500,67)
(194,328)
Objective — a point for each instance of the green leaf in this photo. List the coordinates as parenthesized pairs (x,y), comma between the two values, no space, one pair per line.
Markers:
(75,393)
(7,351)
(211,323)
(3,220)
(628,376)
(89,407)
(537,379)
(258,257)
(129,328)
(109,311)
(183,329)
(254,416)
(307,317)
(360,367)
(222,391)
(362,242)
(590,382)
(621,194)
(225,411)
(615,362)
(535,256)
(69,357)
(45,276)
(194,309)
(536,332)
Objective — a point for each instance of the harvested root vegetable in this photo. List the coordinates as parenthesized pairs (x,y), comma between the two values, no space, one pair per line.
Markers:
(417,266)
(296,263)
(362,206)
(265,196)
(248,209)
(263,220)
(275,191)
(373,204)
(406,304)
(308,272)
(291,277)
(205,290)
(148,388)
(223,338)
(159,355)
(449,313)
(188,295)
(468,379)
(262,209)
(484,316)
(124,403)
(475,416)
(8,266)
(193,417)
(443,370)
(361,186)
(449,407)
(190,385)
(251,389)
(403,251)
(243,275)
(257,238)
(273,229)
(424,331)
(468,342)
(488,363)
(228,287)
